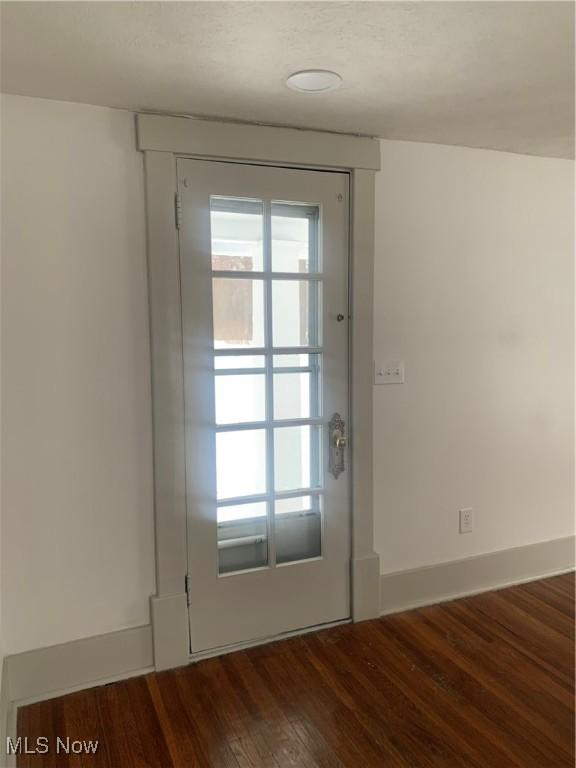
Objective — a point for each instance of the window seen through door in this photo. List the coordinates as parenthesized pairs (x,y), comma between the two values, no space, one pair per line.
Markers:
(266,296)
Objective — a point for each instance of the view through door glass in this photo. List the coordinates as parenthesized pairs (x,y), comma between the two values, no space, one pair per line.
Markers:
(266,297)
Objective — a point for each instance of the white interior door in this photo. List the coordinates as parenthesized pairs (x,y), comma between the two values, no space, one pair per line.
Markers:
(263,256)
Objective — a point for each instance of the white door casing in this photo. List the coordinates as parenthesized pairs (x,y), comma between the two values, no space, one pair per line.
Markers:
(162,138)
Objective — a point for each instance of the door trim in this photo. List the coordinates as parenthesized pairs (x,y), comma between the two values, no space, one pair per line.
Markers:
(280,147)
(212,139)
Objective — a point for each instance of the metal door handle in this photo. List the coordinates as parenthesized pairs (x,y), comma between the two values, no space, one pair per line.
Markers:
(338,442)
(339,439)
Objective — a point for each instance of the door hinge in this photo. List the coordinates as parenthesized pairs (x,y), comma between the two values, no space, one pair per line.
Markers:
(178,210)
(187,588)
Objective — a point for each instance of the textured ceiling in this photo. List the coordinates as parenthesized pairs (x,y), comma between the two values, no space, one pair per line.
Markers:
(480,74)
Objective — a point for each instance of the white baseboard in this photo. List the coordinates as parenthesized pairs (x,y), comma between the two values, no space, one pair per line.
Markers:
(59,669)
(404,590)
(47,672)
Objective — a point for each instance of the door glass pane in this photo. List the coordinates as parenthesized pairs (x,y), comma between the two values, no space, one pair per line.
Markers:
(240,398)
(292,396)
(295,313)
(238,307)
(222,362)
(240,463)
(231,513)
(298,525)
(242,537)
(296,457)
(260,312)
(295,505)
(293,237)
(291,361)
(236,228)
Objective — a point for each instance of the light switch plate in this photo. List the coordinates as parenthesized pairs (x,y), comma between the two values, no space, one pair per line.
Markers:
(389,372)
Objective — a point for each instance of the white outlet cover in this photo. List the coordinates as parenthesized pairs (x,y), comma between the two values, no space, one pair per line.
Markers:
(466,517)
(389,372)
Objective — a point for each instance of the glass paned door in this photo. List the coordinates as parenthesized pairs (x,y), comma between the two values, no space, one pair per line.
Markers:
(269,412)
(263,256)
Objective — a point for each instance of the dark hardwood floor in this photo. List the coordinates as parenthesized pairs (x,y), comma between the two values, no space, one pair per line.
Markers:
(485,682)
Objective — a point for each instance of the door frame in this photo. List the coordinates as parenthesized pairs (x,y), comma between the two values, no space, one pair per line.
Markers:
(162,139)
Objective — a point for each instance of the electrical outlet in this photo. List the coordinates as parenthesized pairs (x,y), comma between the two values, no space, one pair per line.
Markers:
(466,520)
(390,372)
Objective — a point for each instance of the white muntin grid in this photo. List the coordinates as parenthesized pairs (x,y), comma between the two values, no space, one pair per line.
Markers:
(268,363)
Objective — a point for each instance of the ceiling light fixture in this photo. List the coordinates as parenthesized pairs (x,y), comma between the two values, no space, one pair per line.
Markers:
(314,81)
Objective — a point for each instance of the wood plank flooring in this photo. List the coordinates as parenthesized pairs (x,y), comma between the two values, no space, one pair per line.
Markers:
(482,682)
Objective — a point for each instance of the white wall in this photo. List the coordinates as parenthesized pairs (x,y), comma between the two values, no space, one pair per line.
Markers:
(474,289)
(77,466)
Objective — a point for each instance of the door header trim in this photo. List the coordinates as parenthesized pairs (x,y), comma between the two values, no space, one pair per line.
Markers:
(239,141)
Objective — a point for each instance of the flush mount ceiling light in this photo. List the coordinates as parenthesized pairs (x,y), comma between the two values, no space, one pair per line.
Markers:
(314,81)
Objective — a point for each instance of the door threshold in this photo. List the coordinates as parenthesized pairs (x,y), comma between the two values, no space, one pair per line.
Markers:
(222,650)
